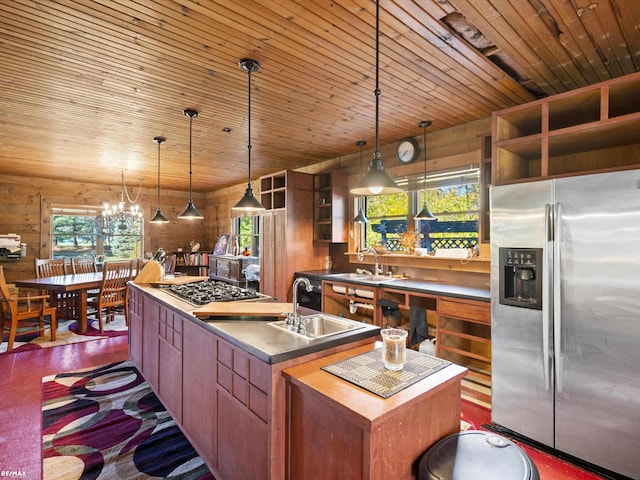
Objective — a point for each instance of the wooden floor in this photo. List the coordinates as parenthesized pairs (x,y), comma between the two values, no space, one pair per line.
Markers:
(21,392)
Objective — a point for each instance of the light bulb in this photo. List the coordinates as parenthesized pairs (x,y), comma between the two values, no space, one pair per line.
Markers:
(375,190)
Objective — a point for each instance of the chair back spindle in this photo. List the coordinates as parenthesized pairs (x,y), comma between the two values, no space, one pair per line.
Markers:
(83,265)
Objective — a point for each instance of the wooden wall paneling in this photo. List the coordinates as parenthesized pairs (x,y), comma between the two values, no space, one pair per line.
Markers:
(61,105)
(28,202)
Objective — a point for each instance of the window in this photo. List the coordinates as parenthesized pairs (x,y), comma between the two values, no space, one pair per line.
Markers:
(83,232)
(387,219)
(452,196)
(247,230)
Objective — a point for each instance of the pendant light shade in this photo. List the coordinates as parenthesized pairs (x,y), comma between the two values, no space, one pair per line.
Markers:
(190,212)
(424,214)
(249,203)
(377,181)
(159,217)
(360,218)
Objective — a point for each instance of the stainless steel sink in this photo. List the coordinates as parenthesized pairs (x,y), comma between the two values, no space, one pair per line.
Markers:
(362,277)
(319,325)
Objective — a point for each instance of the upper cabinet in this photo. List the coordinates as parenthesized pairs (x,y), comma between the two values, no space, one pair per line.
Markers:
(330,207)
(273,191)
(582,131)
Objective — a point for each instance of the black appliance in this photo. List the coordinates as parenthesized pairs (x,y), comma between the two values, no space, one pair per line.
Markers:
(312,299)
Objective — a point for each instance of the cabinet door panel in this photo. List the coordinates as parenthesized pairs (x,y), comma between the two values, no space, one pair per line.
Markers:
(200,407)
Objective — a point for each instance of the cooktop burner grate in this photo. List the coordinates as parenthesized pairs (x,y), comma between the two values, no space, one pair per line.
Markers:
(204,292)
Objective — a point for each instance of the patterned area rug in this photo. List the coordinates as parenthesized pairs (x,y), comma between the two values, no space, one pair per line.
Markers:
(67,333)
(106,423)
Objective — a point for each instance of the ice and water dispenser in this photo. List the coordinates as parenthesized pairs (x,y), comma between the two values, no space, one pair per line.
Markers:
(521,277)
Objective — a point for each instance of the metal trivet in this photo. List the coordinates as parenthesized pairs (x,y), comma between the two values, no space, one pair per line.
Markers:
(367,371)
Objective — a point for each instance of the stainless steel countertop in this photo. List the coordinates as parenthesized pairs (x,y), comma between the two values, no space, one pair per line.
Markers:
(254,334)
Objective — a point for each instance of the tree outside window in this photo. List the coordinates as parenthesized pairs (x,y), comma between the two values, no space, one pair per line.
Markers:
(454,199)
(82,233)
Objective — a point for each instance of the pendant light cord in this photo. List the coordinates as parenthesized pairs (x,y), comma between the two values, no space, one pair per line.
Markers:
(159,142)
(377,90)
(249,130)
(190,172)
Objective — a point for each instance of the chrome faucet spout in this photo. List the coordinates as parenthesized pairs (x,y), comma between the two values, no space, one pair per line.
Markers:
(295,319)
(377,270)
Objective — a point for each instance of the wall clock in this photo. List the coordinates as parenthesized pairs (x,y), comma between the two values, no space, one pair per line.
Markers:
(407,150)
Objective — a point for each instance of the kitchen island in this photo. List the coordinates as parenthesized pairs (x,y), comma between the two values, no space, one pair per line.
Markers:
(222,382)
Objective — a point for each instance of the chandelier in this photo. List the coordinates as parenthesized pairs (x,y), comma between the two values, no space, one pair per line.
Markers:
(122,215)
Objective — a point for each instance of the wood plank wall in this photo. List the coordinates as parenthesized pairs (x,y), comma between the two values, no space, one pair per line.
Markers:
(26,207)
(26,200)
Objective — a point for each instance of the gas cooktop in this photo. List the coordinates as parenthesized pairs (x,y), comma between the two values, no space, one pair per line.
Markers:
(204,292)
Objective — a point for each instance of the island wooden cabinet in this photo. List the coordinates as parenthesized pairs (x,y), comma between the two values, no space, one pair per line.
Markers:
(229,403)
(136,333)
(199,396)
(170,361)
(150,344)
(337,430)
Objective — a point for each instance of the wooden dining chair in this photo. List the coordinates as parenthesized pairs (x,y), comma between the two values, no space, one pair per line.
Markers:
(83,265)
(24,315)
(113,295)
(50,267)
(66,303)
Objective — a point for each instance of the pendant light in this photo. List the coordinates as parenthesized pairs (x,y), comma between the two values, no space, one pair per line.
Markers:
(377,181)
(159,217)
(424,214)
(360,218)
(190,212)
(249,203)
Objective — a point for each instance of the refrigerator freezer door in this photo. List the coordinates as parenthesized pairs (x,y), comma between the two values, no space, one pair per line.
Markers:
(521,376)
(598,409)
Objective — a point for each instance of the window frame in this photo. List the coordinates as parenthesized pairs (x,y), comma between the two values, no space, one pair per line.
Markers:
(413,186)
(99,233)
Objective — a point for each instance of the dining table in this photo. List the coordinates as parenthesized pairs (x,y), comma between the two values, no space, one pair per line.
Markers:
(78,283)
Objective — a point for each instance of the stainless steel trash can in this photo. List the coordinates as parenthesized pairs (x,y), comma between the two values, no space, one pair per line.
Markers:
(476,455)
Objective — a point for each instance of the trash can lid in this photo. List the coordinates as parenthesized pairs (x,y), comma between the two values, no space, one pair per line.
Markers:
(476,454)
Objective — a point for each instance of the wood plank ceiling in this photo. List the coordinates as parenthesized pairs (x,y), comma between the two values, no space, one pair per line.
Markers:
(86,84)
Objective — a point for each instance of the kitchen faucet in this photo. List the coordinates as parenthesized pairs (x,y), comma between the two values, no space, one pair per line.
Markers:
(377,270)
(293,319)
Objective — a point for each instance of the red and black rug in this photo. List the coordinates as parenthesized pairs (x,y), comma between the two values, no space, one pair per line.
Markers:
(106,423)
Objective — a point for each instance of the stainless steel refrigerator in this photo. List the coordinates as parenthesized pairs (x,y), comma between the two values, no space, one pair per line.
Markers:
(565,315)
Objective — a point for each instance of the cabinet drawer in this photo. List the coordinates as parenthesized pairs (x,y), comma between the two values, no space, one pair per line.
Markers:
(223,268)
(469,311)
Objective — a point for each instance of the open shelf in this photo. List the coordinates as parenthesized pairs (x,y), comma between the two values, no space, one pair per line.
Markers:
(583,131)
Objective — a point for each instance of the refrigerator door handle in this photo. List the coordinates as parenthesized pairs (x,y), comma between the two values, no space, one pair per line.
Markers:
(546,296)
(557,305)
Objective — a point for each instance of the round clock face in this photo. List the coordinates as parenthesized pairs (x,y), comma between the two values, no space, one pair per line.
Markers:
(407,150)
